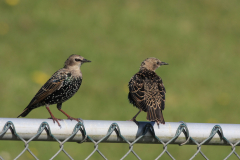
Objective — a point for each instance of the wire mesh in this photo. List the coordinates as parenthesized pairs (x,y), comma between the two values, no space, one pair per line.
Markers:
(114,127)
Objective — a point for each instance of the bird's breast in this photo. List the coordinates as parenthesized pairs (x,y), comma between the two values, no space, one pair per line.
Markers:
(69,88)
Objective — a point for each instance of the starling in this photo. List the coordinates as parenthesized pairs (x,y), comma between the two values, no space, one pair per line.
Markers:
(60,87)
(147,92)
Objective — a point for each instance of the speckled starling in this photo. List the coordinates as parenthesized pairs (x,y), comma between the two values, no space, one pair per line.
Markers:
(60,87)
(147,92)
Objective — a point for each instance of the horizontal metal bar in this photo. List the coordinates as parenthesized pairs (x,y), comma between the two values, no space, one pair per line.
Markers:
(96,129)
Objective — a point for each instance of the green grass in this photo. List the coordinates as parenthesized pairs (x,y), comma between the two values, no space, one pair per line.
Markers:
(199,39)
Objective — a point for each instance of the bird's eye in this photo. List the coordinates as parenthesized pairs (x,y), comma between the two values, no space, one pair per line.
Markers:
(158,63)
(78,60)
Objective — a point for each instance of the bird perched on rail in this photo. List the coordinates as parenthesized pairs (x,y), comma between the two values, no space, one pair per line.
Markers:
(60,87)
(147,92)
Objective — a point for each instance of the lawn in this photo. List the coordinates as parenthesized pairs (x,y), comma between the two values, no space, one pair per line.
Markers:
(199,39)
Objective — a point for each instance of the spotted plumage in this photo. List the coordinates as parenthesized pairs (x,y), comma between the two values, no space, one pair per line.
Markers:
(147,92)
(62,85)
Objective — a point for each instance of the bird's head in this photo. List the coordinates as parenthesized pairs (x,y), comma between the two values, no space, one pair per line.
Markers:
(75,61)
(151,64)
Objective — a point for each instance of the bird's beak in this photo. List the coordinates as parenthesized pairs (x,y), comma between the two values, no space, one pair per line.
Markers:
(163,63)
(85,60)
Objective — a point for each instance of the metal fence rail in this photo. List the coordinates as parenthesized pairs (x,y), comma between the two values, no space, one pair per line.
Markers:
(96,131)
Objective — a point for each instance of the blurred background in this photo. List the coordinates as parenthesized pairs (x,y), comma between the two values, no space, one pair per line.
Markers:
(199,39)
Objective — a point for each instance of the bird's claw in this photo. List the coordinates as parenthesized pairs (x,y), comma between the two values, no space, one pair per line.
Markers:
(76,119)
(134,120)
(56,120)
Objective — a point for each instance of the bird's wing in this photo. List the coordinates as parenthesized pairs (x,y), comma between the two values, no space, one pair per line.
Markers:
(136,92)
(53,84)
(154,93)
(154,98)
(162,92)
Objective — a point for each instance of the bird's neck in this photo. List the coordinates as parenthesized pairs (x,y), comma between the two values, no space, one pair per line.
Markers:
(146,69)
(75,71)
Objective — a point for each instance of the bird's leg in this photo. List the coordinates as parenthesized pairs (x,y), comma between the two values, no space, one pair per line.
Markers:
(134,118)
(59,106)
(69,117)
(52,116)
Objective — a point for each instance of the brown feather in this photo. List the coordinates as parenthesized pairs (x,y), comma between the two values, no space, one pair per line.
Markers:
(49,87)
(147,92)
(61,86)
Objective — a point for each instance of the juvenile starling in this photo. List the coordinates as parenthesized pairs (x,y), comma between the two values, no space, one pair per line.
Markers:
(147,92)
(60,87)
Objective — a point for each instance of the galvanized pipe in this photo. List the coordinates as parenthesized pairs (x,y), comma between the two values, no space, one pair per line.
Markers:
(96,129)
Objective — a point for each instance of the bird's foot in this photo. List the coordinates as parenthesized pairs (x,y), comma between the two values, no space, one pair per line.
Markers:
(134,120)
(76,119)
(56,120)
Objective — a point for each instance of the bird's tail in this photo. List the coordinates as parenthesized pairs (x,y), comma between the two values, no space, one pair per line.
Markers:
(161,118)
(25,112)
(155,115)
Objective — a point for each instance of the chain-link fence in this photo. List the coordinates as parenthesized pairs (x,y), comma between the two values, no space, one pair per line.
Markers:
(181,133)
